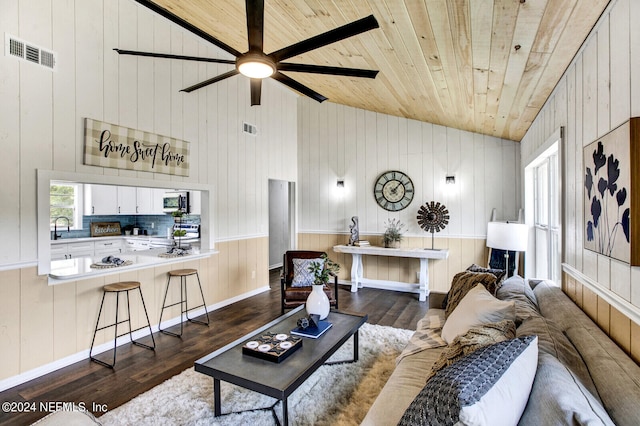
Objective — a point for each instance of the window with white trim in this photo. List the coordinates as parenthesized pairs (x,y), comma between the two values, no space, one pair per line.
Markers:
(65,200)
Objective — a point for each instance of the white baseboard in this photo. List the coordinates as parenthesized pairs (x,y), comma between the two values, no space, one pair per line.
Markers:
(84,355)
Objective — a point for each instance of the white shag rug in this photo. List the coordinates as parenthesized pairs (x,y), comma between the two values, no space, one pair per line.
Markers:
(334,395)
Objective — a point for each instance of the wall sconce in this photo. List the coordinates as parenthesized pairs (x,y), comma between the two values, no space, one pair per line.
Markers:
(340,183)
(451,179)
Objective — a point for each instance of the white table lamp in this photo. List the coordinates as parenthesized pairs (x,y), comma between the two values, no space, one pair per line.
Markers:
(508,236)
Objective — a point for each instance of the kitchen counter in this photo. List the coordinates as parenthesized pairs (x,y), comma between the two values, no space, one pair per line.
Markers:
(118,237)
(79,268)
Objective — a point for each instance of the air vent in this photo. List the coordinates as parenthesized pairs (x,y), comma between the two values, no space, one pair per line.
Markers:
(29,52)
(250,128)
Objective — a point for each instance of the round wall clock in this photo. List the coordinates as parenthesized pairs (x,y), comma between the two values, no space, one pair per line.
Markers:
(393,190)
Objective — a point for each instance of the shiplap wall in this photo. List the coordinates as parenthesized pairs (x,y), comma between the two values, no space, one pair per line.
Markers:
(337,141)
(41,127)
(599,91)
(41,111)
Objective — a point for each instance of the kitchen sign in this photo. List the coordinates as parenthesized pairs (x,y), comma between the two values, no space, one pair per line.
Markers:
(117,147)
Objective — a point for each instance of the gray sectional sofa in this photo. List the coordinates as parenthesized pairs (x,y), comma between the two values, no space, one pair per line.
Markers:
(582,376)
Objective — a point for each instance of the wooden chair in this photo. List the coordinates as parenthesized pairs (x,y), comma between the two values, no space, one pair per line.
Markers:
(296,296)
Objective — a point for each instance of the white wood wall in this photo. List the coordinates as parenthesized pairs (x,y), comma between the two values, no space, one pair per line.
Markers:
(41,112)
(41,127)
(339,142)
(599,91)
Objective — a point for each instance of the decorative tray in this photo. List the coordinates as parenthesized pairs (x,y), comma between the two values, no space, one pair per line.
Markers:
(103,265)
(274,347)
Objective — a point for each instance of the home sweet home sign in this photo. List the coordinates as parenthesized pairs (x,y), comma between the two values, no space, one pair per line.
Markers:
(113,146)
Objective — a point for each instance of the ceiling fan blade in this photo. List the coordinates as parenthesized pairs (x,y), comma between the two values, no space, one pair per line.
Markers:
(255,24)
(186,25)
(256,90)
(211,81)
(332,36)
(317,69)
(168,56)
(287,81)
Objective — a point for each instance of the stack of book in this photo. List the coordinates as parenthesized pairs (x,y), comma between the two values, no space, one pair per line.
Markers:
(362,243)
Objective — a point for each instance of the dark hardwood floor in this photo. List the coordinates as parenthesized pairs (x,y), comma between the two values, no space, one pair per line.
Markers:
(138,370)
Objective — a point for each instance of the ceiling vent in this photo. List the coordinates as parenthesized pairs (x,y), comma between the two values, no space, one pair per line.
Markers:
(29,52)
(250,128)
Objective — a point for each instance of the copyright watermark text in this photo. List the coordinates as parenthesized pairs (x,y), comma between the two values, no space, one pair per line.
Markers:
(50,407)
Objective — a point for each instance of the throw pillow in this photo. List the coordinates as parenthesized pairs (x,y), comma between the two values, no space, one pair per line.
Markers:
(499,273)
(474,339)
(478,307)
(463,282)
(558,398)
(516,289)
(302,276)
(491,386)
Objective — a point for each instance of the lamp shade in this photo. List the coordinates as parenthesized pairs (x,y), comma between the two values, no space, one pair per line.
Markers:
(507,236)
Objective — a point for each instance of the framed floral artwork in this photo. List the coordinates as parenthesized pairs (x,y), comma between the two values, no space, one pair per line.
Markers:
(611,173)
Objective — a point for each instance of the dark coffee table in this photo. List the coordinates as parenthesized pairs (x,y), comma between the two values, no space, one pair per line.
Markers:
(279,380)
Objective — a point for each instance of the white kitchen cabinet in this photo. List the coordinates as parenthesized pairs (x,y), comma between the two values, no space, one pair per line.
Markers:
(82,249)
(106,248)
(195,201)
(59,251)
(101,199)
(126,199)
(149,200)
(137,244)
(72,250)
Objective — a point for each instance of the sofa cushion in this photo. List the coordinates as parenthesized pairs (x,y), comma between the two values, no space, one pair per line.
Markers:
(463,282)
(474,339)
(553,341)
(488,387)
(516,289)
(476,308)
(406,381)
(302,276)
(616,376)
(559,398)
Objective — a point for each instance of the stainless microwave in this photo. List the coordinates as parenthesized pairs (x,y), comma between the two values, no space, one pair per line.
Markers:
(172,201)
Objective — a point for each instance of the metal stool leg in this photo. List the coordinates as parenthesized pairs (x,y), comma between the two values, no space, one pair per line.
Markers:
(164,305)
(95,330)
(148,324)
(115,338)
(204,303)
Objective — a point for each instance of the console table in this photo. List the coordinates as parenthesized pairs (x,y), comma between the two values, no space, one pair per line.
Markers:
(358,281)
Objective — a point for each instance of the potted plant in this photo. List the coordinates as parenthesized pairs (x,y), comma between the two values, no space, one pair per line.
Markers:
(178,234)
(177,215)
(322,270)
(318,302)
(393,234)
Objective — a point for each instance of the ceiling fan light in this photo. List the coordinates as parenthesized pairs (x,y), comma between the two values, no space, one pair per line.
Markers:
(256,66)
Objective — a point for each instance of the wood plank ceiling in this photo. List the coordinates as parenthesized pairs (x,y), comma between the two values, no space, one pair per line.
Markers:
(485,66)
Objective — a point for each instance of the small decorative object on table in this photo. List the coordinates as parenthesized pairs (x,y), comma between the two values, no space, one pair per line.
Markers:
(311,326)
(433,217)
(318,302)
(354,231)
(271,346)
(393,234)
(110,262)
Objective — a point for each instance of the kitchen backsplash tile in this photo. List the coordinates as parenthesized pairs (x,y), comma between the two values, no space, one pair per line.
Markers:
(153,224)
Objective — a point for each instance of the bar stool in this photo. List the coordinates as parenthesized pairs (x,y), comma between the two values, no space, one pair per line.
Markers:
(117,288)
(184,309)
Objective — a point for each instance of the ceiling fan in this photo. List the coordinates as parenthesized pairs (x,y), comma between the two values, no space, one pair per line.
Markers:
(257,65)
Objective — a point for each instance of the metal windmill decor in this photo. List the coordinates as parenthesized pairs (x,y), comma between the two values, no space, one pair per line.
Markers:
(433,217)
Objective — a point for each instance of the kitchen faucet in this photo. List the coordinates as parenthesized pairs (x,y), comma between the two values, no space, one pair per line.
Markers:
(55,227)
